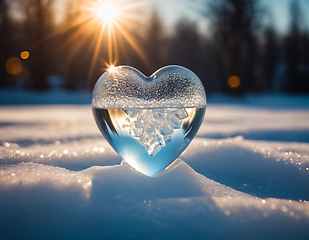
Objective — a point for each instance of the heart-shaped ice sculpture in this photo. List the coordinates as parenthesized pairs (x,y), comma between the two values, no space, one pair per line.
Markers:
(149,121)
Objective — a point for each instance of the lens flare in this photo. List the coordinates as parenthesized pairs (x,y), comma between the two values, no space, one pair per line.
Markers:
(13,66)
(25,55)
(107,12)
(234,81)
(111,68)
(105,27)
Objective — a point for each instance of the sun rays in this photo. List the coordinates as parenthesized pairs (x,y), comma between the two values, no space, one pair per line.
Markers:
(104,26)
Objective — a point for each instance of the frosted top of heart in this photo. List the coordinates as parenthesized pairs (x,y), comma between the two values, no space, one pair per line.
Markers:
(126,87)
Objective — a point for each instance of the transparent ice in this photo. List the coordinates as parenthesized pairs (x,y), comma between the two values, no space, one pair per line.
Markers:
(150,140)
(149,121)
(153,127)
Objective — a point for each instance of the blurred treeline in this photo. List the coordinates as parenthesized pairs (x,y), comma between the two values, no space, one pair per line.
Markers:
(242,51)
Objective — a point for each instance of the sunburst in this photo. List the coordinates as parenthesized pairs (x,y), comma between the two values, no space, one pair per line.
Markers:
(107,12)
(103,24)
(112,17)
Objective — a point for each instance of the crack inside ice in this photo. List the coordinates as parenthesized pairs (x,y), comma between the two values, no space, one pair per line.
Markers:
(154,127)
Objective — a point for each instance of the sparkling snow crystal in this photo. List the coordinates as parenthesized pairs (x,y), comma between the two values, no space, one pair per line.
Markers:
(153,127)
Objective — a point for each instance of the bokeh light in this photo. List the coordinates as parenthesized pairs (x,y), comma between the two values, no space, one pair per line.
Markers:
(13,66)
(25,55)
(234,81)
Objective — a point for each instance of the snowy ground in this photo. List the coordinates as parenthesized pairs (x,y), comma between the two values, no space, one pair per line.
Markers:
(245,176)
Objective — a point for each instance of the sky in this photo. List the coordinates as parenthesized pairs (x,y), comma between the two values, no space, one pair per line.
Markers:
(280,11)
(172,10)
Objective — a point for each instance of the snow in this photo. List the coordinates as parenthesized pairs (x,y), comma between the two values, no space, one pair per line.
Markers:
(245,176)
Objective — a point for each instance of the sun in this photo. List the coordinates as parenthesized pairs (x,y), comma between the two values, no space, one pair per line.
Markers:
(111,68)
(107,11)
(111,22)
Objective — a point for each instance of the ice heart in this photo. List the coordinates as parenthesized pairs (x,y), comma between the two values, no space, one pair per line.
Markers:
(149,121)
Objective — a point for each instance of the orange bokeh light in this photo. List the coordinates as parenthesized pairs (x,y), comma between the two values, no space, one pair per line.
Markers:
(13,66)
(234,81)
(25,55)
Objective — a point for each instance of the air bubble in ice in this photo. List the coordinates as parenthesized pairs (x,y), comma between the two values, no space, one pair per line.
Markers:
(169,87)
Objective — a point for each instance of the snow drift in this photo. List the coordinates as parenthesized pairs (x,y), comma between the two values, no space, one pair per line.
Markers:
(245,176)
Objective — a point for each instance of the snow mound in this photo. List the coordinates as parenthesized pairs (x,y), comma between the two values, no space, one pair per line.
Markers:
(98,200)
(245,176)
